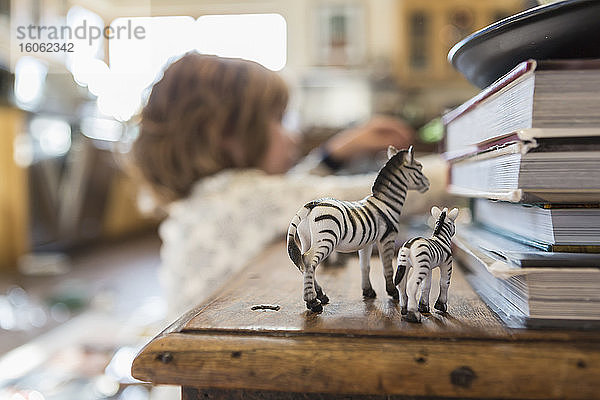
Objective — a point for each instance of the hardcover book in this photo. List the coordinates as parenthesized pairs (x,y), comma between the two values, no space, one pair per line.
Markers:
(550,227)
(539,171)
(537,98)
(559,291)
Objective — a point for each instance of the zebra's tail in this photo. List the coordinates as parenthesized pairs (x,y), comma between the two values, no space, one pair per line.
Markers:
(292,245)
(402,262)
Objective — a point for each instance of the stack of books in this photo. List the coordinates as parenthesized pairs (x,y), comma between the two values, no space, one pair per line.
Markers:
(526,150)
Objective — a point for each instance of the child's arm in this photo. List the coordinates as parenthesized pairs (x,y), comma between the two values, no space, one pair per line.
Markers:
(364,140)
(306,186)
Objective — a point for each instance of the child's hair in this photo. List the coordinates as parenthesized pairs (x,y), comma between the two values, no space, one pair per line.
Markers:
(201,103)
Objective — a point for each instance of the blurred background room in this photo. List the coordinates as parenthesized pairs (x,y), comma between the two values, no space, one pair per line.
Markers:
(79,250)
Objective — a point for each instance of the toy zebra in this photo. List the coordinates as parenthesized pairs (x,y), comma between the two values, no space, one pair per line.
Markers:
(325,225)
(425,254)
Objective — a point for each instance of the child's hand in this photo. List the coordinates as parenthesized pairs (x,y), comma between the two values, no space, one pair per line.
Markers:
(375,135)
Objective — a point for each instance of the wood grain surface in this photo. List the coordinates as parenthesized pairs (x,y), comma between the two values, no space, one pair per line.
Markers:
(375,365)
(191,393)
(361,346)
(274,280)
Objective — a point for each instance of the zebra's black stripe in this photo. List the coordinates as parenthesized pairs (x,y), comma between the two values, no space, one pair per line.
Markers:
(329,241)
(332,233)
(399,182)
(390,205)
(389,225)
(411,167)
(395,188)
(369,222)
(372,218)
(342,212)
(331,217)
(423,253)
(352,221)
(362,225)
(403,175)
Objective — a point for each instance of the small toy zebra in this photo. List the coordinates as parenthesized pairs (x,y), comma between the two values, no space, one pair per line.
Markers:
(326,225)
(425,254)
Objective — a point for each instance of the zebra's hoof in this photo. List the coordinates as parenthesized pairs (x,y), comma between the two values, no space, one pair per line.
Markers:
(324,299)
(394,293)
(369,293)
(412,316)
(314,306)
(443,307)
(403,310)
(424,308)
(317,308)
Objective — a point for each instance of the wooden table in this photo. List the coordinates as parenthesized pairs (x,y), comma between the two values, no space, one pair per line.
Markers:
(227,348)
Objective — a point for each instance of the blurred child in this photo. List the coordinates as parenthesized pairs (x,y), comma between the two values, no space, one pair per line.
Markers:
(213,150)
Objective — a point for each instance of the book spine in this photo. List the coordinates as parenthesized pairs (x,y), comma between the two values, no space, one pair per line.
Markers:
(575,248)
(551,206)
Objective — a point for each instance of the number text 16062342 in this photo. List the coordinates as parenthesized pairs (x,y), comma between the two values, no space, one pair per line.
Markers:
(36,47)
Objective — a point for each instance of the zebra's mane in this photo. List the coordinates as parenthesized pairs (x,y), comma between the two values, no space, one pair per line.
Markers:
(439,223)
(388,169)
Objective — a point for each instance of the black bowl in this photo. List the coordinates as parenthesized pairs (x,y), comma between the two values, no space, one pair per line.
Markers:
(564,30)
